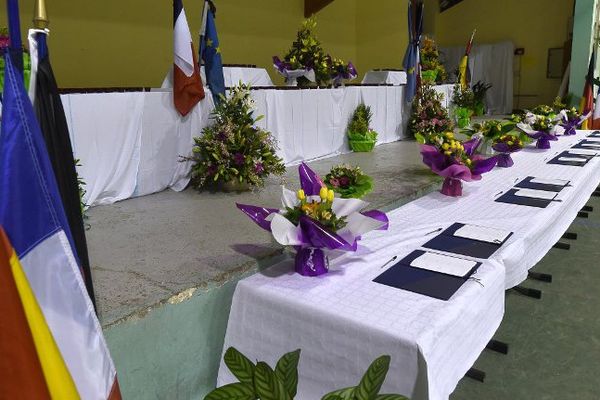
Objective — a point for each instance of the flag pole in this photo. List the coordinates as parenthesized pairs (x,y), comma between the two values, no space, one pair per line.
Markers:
(40,16)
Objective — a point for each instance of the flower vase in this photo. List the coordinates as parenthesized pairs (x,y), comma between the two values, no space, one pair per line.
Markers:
(311,261)
(452,187)
(504,160)
(235,185)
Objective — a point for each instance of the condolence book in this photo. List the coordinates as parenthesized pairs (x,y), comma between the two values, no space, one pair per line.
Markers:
(430,274)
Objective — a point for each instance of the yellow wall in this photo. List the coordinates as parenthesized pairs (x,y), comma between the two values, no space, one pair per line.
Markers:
(382,36)
(536,25)
(129,42)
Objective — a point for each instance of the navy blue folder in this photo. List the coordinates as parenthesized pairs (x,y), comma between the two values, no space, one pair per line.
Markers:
(582,145)
(594,134)
(429,283)
(527,184)
(556,160)
(446,241)
(510,198)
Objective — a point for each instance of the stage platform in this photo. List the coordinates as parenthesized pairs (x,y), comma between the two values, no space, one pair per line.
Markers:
(165,266)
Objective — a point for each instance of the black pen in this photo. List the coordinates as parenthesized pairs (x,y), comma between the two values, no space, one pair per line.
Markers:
(389,261)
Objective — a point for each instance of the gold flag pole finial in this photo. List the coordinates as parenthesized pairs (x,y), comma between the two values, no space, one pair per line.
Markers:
(40,17)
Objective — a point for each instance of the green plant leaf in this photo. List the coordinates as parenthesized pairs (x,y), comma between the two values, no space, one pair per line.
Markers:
(239,365)
(341,394)
(391,397)
(233,391)
(371,382)
(420,138)
(287,371)
(266,385)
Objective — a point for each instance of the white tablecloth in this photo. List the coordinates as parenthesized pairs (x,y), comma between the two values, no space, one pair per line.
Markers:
(343,320)
(536,230)
(129,143)
(311,124)
(379,77)
(251,76)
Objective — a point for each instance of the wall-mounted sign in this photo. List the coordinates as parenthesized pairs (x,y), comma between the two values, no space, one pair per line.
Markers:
(446,4)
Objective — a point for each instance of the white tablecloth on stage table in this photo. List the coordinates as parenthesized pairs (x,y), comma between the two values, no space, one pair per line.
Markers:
(379,77)
(447,91)
(129,143)
(311,124)
(343,320)
(246,75)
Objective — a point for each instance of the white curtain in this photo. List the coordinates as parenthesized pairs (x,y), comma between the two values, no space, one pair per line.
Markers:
(490,63)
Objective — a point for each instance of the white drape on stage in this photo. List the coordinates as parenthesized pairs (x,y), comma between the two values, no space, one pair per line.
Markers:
(490,63)
(130,144)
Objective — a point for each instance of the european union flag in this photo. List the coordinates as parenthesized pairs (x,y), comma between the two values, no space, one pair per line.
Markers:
(211,53)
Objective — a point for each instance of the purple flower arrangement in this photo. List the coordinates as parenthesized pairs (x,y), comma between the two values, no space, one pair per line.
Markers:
(455,161)
(234,150)
(315,222)
(542,128)
(505,145)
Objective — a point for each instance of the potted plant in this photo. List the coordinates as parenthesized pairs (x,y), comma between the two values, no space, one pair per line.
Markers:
(234,154)
(305,62)
(428,116)
(462,100)
(360,136)
(479,91)
(348,181)
(432,70)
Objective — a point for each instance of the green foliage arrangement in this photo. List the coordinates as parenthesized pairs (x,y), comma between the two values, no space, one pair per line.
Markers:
(81,184)
(430,61)
(261,382)
(428,117)
(307,51)
(479,91)
(234,149)
(349,181)
(463,98)
(490,129)
(359,126)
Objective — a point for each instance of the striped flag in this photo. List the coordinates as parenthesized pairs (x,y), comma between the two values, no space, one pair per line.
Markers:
(44,94)
(463,67)
(63,325)
(587,100)
(187,84)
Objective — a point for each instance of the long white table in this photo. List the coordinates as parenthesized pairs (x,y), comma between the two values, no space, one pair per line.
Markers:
(129,144)
(343,320)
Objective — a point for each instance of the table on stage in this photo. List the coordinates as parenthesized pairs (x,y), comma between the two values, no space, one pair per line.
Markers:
(343,320)
(382,76)
(130,143)
(249,75)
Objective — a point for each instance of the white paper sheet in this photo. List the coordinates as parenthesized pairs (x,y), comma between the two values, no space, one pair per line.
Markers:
(572,159)
(482,233)
(547,181)
(536,194)
(445,264)
(585,152)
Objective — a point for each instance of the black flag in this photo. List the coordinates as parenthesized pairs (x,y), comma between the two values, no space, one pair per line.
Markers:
(51,116)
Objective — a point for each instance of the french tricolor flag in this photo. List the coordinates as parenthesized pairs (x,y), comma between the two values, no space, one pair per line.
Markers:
(187,84)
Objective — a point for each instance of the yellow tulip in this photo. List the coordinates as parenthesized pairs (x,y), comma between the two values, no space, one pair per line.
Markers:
(445,146)
(449,135)
(330,196)
(323,193)
(301,195)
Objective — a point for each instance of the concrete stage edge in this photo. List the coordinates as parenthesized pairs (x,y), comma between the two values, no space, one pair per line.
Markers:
(166,265)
